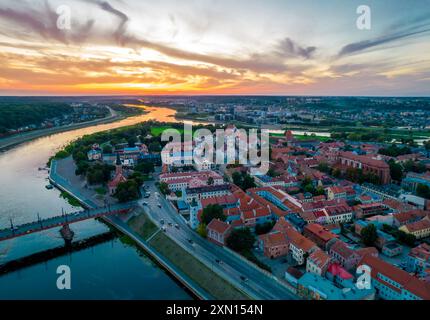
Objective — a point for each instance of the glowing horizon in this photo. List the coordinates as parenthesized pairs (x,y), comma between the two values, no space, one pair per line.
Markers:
(204,47)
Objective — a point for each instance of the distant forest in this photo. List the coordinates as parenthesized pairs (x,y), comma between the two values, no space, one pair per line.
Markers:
(16,113)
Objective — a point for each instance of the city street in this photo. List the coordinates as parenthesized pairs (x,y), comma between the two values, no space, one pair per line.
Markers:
(257,284)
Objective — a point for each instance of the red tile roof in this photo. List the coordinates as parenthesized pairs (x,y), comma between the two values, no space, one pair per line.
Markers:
(320,258)
(218,226)
(408,282)
(336,270)
(320,232)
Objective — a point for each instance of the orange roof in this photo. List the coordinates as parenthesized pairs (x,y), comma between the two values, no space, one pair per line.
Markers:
(337,189)
(320,232)
(366,160)
(320,258)
(299,241)
(274,239)
(404,217)
(342,249)
(119,178)
(218,226)
(408,282)
(282,225)
(418,226)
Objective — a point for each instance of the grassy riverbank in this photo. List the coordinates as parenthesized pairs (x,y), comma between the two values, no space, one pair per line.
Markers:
(187,263)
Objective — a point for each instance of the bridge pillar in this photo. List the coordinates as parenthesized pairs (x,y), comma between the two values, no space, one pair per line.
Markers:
(67,234)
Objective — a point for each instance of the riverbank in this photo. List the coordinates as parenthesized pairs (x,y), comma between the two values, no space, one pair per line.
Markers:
(9,142)
(64,184)
(199,273)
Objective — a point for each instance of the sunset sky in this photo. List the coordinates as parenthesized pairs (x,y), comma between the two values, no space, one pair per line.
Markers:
(274,47)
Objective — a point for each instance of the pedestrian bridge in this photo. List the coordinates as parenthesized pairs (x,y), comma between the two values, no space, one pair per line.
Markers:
(63,220)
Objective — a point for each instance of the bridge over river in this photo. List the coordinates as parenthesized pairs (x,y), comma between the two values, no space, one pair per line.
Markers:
(63,220)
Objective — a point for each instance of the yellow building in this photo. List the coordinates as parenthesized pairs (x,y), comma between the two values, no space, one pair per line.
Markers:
(420,229)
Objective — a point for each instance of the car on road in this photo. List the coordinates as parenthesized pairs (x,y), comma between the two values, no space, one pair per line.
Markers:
(243,278)
(170,224)
(145,203)
(190,241)
(164,229)
(177,226)
(162,221)
(159,205)
(218,261)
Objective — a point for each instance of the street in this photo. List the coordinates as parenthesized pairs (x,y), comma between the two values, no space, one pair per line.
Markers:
(257,284)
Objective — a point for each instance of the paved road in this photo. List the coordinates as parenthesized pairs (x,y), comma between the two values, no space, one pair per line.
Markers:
(258,284)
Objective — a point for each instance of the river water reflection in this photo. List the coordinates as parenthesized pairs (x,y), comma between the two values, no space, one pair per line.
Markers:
(103,272)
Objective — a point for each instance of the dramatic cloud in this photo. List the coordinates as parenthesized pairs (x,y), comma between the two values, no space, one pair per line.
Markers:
(400,30)
(289,48)
(208,46)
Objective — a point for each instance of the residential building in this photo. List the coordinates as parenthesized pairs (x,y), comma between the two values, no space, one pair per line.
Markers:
(420,229)
(412,180)
(218,231)
(318,262)
(336,192)
(314,287)
(185,180)
(407,217)
(368,164)
(418,259)
(392,283)
(344,255)
(319,234)
(274,245)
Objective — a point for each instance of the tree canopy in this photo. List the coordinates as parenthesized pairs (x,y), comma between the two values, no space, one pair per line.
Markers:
(212,211)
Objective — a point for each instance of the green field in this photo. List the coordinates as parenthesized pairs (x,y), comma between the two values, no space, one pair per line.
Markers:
(157,131)
(143,226)
(187,263)
(197,271)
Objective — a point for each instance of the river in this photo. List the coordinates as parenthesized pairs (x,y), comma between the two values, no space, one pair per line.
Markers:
(111,270)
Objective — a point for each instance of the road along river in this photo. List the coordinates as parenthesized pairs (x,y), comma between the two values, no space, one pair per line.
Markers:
(111,270)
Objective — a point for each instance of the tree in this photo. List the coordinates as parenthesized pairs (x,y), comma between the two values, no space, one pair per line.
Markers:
(324,167)
(145,167)
(201,230)
(396,170)
(164,188)
(241,240)
(107,148)
(423,191)
(264,228)
(212,211)
(248,182)
(319,191)
(138,178)
(369,235)
(337,173)
(127,191)
(154,147)
(243,180)
(272,173)
(237,178)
